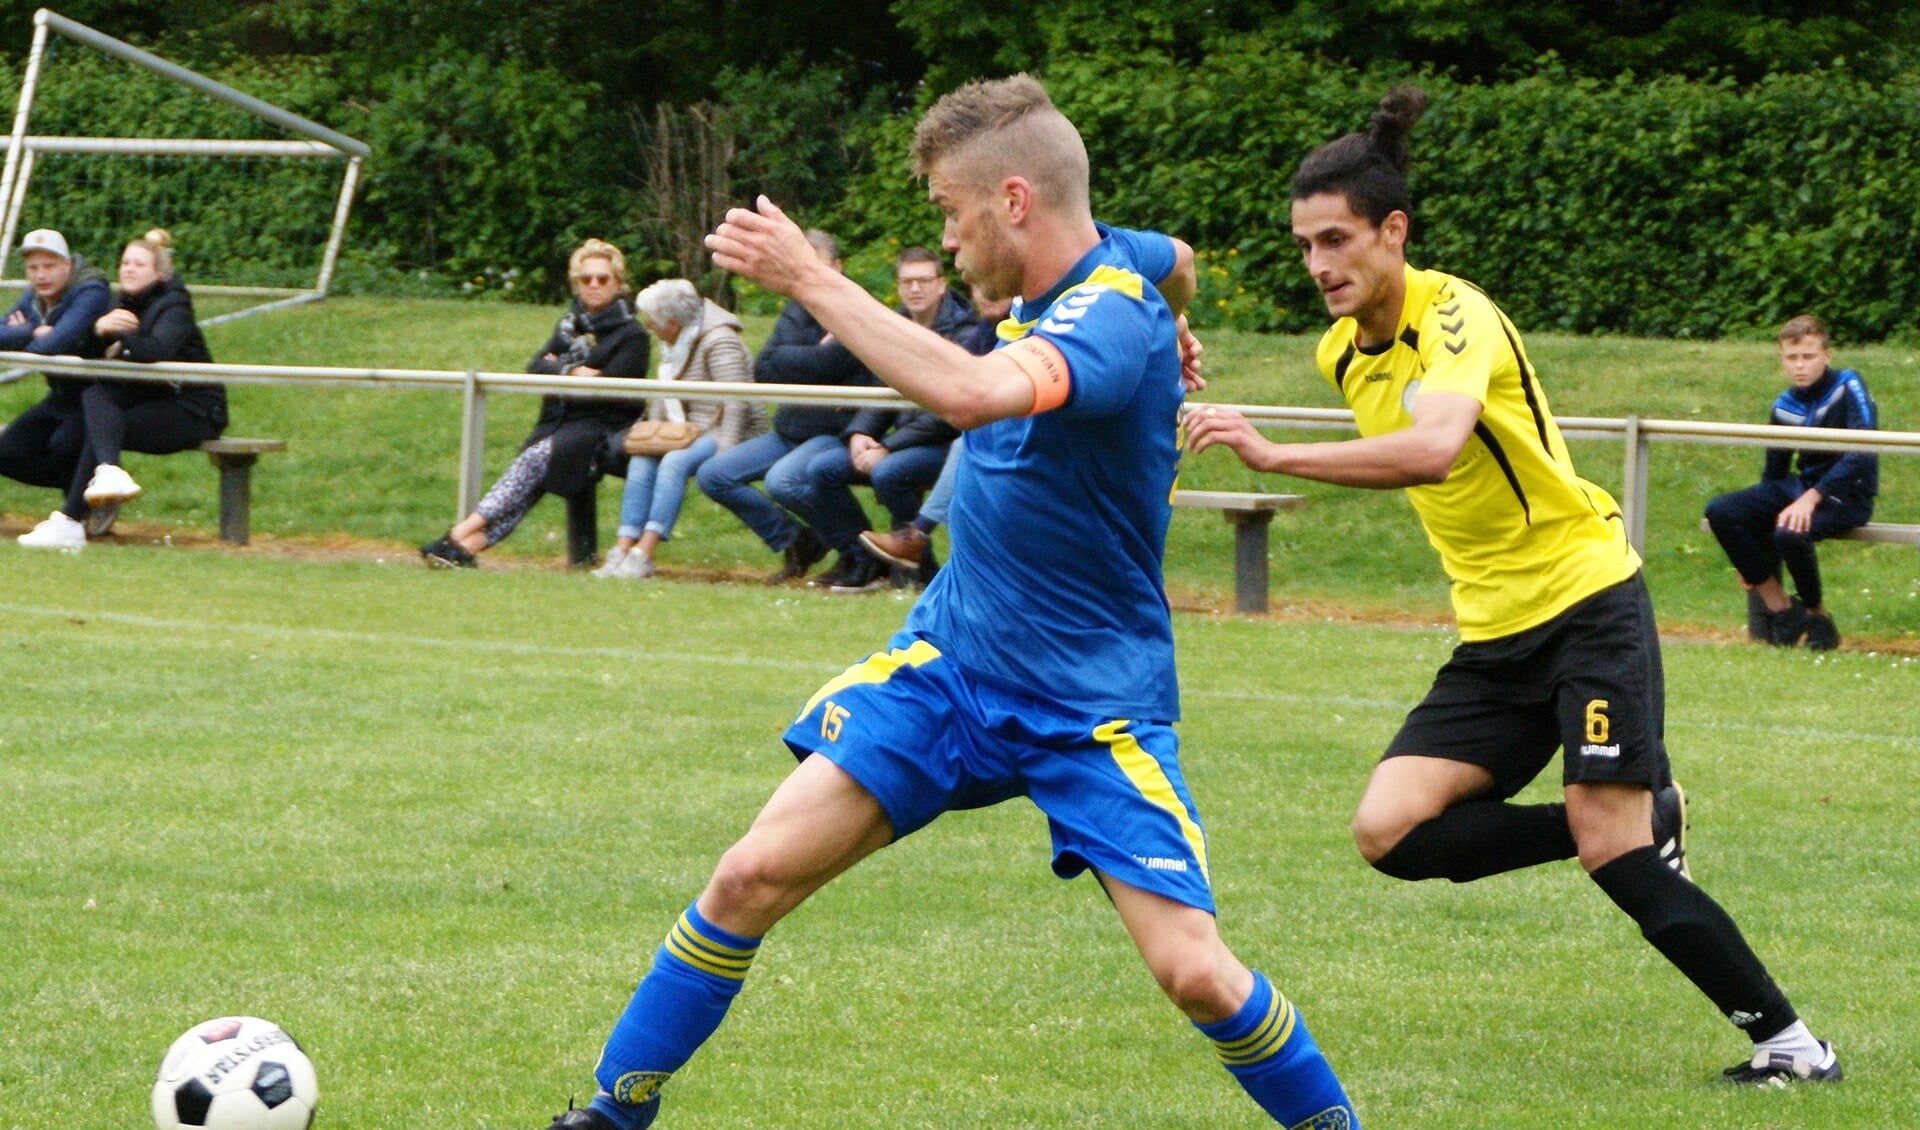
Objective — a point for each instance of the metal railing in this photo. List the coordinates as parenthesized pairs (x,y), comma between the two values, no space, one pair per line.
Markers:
(1638,434)
(473,385)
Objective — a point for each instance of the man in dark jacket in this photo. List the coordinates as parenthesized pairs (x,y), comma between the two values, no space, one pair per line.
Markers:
(899,452)
(55,316)
(800,351)
(1777,520)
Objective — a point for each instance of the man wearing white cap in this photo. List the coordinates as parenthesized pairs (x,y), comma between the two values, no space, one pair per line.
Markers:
(55,315)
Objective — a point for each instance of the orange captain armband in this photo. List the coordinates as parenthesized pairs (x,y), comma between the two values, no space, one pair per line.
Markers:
(1046,367)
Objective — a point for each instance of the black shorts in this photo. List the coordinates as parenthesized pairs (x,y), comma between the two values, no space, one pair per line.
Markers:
(1588,680)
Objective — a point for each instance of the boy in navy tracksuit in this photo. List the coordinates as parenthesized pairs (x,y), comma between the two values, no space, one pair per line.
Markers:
(1776,521)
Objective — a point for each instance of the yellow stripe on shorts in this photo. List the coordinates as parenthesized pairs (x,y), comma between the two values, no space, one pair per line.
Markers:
(1151,780)
(875,668)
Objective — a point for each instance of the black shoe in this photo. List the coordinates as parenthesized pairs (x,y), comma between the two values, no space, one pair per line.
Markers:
(802,553)
(1785,627)
(1778,1070)
(1821,633)
(839,571)
(586,1118)
(864,573)
(444,553)
(1670,827)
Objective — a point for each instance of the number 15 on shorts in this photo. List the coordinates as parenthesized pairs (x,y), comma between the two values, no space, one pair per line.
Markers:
(832,715)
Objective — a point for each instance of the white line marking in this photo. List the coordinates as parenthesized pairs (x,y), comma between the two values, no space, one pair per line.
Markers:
(503,647)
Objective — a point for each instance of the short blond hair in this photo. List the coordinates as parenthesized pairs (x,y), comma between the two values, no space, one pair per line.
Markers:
(599,249)
(989,130)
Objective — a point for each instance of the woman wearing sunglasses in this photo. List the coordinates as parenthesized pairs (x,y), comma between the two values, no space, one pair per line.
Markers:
(596,337)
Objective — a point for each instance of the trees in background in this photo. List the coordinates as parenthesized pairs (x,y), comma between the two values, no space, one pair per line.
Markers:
(1696,167)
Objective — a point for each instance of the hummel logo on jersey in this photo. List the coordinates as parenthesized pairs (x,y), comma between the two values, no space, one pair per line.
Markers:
(1606,752)
(1071,309)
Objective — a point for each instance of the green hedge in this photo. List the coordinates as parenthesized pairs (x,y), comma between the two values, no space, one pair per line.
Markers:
(1661,208)
(484,174)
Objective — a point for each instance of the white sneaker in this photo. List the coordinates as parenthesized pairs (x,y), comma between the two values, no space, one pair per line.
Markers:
(614,557)
(110,484)
(633,567)
(57,532)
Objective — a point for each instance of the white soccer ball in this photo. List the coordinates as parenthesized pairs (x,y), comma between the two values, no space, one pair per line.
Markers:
(235,1073)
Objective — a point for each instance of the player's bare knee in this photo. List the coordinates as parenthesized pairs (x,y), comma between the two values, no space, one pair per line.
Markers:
(1200,983)
(746,886)
(1375,832)
(1600,847)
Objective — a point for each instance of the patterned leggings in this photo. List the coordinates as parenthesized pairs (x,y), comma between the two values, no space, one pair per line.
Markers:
(515,492)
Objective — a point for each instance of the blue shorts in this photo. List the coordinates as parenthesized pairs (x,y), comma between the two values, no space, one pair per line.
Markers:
(924,739)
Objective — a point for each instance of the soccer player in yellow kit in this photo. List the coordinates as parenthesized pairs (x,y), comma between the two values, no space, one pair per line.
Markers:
(1558,646)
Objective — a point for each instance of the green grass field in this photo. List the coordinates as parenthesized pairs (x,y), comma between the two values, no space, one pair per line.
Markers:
(436,824)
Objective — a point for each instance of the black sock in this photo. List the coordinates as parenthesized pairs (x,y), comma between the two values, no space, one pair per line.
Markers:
(1690,930)
(925,524)
(1478,838)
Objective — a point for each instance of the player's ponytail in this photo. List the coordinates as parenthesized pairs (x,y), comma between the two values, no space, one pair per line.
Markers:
(1370,168)
(1389,126)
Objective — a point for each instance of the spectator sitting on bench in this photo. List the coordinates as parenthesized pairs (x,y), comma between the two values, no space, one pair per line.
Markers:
(154,321)
(698,342)
(899,451)
(909,545)
(596,337)
(1777,520)
(799,351)
(54,317)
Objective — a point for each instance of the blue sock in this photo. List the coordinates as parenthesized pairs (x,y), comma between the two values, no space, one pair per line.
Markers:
(1266,1048)
(695,976)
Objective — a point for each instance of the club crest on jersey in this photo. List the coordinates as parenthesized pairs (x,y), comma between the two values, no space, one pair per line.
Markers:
(636,1087)
(1407,394)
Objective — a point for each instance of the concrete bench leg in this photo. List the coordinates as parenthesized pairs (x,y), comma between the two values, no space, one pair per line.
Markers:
(1250,559)
(583,527)
(236,494)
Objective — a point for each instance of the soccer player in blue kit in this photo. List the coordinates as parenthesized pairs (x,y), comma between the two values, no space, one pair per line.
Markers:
(1039,662)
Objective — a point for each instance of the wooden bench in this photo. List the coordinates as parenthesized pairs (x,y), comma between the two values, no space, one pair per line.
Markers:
(235,459)
(1893,533)
(1250,515)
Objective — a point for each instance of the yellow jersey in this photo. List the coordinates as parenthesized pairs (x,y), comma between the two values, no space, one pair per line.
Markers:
(1522,537)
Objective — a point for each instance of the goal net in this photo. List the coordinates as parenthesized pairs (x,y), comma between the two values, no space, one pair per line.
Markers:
(255,196)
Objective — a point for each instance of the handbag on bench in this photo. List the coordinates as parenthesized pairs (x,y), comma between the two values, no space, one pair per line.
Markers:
(658,437)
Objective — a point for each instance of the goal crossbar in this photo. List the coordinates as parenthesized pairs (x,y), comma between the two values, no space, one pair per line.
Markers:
(320,142)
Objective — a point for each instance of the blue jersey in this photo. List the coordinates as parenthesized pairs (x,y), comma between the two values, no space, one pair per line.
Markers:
(1053,588)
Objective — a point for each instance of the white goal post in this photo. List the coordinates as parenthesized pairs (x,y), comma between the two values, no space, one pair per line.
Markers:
(317,143)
